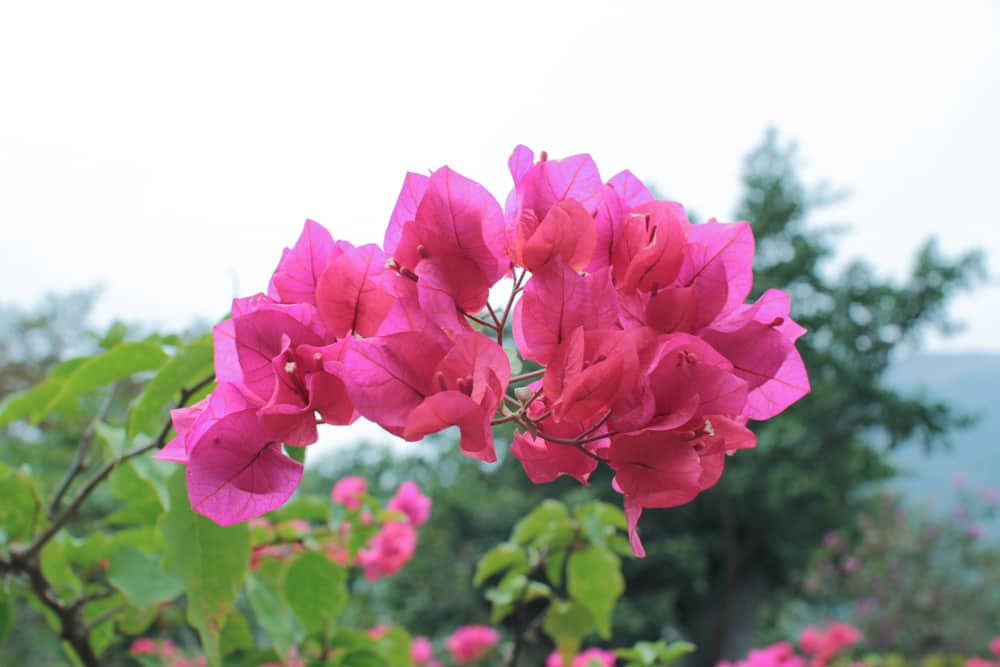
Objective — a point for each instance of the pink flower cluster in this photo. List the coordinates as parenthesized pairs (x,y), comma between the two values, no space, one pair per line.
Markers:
(471,642)
(652,362)
(819,647)
(393,545)
(591,657)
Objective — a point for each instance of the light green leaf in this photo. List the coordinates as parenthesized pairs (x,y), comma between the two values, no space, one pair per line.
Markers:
(595,581)
(21,512)
(142,502)
(121,361)
(316,589)
(56,567)
(140,578)
(567,623)
(540,520)
(211,560)
(504,556)
(394,645)
(33,401)
(188,366)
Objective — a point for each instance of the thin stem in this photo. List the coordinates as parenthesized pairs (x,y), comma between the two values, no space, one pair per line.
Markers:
(496,320)
(504,420)
(104,616)
(82,449)
(71,625)
(518,279)
(105,470)
(527,376)
(598,425)
(480,321)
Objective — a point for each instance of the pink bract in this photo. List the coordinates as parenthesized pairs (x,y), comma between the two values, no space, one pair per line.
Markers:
(471,642)
(651,361)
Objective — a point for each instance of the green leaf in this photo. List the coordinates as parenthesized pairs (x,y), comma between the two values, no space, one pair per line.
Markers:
(142,502)
(307,508)
(296,453)
(273,615)
(33,401)
(140,578)
(504,556)
(134,621)
(56,567)
(102,634)
(352,640)
(120,361)
(188,366)
(595,581)
(6,613)
(554,562)
(236,634)
(567,623)
(516,364)
(22,511)
(670,652)
(600,521)
(394,645)
(316,589)
(539,521)
(111,439)
(362,659)
(211,560)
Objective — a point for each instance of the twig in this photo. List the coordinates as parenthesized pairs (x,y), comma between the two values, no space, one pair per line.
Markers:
(105,470)
(480,321)
(104,616)
(527,376)
(83,448)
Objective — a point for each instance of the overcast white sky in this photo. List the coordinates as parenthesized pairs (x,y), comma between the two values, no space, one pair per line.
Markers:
(169,152)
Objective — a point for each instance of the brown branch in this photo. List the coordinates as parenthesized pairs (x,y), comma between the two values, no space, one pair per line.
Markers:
(83,448)
(72,628)
(527,376)
(105,470)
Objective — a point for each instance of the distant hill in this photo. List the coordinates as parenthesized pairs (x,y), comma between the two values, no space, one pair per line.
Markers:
(970,382)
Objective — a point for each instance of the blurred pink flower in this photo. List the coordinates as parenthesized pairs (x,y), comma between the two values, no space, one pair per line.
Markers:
(348,492)
(143,646)
(471,642)
(421,650)
(411,502)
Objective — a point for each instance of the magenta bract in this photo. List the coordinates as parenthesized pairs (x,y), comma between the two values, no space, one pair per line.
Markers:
(649,360)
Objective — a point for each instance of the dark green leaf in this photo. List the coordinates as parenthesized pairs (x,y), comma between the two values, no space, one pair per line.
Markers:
(6,613)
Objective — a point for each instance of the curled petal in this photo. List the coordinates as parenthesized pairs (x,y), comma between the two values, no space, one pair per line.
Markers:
(454,408)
